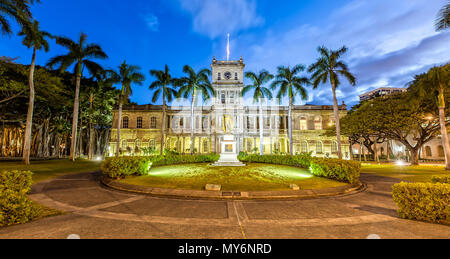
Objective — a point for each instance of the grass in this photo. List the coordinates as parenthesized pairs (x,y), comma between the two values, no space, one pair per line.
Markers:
(254,177)
(46,170)
(421,173)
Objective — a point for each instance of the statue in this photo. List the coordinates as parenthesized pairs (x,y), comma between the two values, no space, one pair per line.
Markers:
(228,123)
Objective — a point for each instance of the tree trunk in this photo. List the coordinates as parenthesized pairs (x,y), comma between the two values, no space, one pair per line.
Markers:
(76,105)
(91,127)
(163,126)
(291,143)
(29,127)
(414,156)
(192,122)
(80,140)
(444,133)
(261,128)
(375,149)
(337,118)
(119,126)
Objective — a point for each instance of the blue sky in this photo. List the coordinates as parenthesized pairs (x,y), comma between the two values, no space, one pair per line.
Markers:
(389,41)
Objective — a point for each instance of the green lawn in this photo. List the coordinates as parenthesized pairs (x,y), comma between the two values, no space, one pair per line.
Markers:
(422,173)
(45,170)
(254,177)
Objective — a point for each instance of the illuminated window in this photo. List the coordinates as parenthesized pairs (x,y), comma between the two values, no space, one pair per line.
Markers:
(303,124)
(153,123)
(125,121)
(319,147)
(152,144)
(304,147)
(318,123)
(334,147)
(139,123)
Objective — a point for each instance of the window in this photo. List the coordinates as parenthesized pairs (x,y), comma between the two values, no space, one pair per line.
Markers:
(205,146)
(232,97)
(138,143)
(334,147)
(125,121)
(205,122)
(428,151)
(219,76)
(124,144)
(153,123)
(182,122)
(267,122)
(152,144)
(319,147)
(303,124)
(236,76)
(139,123)
(441,151)
(304,147)
(223,98)
(318,123)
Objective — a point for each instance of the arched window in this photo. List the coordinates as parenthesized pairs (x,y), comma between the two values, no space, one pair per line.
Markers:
(223,98)
(303,123)
(139,123)
(304,147)
(334,147)
(153,123)
(441,151)
(318,123)
(428,151)
(319,147)
(125,121)
(124,144)
(151,143)
(138,143)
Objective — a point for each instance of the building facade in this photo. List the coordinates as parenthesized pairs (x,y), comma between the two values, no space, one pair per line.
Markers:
(141,124)
(381,92)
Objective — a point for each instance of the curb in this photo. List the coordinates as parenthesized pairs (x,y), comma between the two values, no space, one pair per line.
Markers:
(234,195)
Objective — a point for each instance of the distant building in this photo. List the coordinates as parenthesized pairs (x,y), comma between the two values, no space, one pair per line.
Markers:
(381,92)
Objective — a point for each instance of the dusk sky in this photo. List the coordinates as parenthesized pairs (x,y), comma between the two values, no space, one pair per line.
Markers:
(389,41)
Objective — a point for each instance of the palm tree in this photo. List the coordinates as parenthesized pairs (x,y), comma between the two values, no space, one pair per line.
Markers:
(190,86)
(443,19)
(128,75)
(18,10)
(162,86)
(436,82)
(259,94)
(289,83)
(79,54)
(33,38)
(330,67)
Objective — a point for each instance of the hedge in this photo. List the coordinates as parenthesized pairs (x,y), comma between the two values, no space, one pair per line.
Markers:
(302,160)
(423,201)
(15,206)
(336,169)
(119,168)
(440,179)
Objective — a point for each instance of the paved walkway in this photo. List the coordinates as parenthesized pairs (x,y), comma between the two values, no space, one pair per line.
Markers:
(97,212)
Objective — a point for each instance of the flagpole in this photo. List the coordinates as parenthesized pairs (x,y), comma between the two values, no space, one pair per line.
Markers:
(228,48)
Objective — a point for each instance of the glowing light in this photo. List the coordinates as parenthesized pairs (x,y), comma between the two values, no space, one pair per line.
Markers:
(400,163)
(99,158)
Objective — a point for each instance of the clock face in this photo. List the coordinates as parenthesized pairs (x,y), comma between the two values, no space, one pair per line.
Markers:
(228,75)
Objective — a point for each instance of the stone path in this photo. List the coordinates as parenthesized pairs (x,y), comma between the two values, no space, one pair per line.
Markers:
(96,212)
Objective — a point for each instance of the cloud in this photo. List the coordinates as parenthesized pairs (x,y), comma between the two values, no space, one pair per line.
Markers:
(387,46)
(215,18)
(152,22)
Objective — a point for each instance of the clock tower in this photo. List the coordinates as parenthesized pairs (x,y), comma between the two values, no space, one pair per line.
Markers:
(228,82)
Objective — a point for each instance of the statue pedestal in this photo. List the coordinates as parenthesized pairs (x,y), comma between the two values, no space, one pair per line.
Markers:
(228,155)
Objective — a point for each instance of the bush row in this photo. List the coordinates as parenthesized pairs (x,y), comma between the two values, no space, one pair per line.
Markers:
(440,179)
(15,206)
(119,168)
(336,169)
(423,201)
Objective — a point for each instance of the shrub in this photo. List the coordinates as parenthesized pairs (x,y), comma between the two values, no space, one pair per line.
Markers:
(440,179)
(15,206)
(119,168)
(336,169)
(301,160)
(423,201)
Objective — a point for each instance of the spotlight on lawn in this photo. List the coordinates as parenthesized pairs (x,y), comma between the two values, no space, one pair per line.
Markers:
(400,163)
(99,158)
